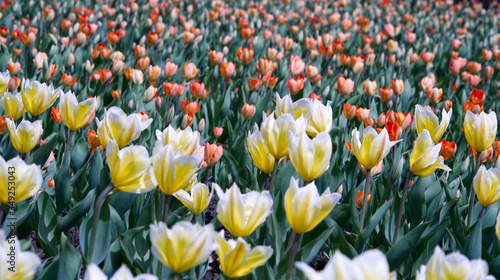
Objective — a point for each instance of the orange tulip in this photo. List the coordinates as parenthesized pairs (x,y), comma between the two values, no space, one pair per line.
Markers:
(67,80)
(56,115)
(245,55)
(448,149)
(359,199)
(213,153)
(188,107)
(248,111)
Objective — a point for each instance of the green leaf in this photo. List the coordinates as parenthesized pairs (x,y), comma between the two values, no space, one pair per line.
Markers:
(62,185)
(372,223)
(400,252)
(473,245)
(66,266)
(79,153)
(41,154)
(311,249)
(76,213)
(95,170)
(47,221)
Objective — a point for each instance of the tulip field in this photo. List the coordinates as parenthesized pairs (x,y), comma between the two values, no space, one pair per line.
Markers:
(197,139)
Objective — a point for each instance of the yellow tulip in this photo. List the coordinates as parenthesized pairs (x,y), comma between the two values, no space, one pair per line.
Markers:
(76,115)
(425,158)
(426,119)
(486,183)
(452,266)
(187,139)
(370,265)
(311,158)
(26,263)
(25,136)
(13,105)
(4,82)
(117,125)
(480,130)
(38,97)
(373,148)
(130,168)
(238,258)
(321,118)
(18,178)
(198,200)
(305,208)
(297,109)
(182,247)
(275,132)
(172,170)
(259,152)
(240,213)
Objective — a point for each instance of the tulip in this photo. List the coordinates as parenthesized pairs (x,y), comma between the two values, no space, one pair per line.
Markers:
(216,57)
(480,130)
(227,69)
(13,105)
(172,89)
(189,71)
(369,88)
(170,69)
(187,140)
(26,262)
(448,149)
(198,200)
(259,152)
(426,119)
(25,136)
(237,258)
(452,266)
(296,66)
(295,85)
(4,82)
(173,171)
(130,168)
(76,115)
(213,153)
(320,118)
(27,180)
(38,97)
(305,208)
(345,86)
(241,213)
(370,265)
(248,110)
(486,184)
(183,246)
(120,127)
(397,87)
(434,95)
(373,148)
(311,158)
(93,272)
(245,55)
(275,132)
(425,158)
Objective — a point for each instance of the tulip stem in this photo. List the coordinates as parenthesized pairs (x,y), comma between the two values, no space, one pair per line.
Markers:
(401,207)
(165,207)
(365,198)
(483,210)
(295,245)
(98,205)
(68,144)
(472,193)
(273,177)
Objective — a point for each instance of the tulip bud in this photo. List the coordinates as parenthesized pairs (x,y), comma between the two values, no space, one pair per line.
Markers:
(170,115)
(187,120)
(150,94)
(158,102)
(448,104)
(130,104)
(396,174)
(465,165)
(3,124)
(434,95)
(397,87)
(360,198)
(56,115)
(201,125)
(218,131)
